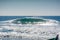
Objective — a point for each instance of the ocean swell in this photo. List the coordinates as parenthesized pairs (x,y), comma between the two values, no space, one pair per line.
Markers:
(30,28)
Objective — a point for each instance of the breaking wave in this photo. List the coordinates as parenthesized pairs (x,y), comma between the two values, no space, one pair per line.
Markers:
(30,27)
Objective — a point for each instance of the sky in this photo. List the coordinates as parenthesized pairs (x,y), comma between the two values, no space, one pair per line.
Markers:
(29,7)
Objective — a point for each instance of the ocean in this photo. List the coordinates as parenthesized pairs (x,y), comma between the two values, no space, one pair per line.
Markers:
(3,18)
(29,27)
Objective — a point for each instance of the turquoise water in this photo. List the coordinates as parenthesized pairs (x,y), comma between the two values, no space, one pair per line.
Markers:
(28,20)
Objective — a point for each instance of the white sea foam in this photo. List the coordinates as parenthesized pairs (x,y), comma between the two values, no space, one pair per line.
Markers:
(48,29)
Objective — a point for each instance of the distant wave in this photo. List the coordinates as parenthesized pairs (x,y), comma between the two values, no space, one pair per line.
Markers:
(34,20)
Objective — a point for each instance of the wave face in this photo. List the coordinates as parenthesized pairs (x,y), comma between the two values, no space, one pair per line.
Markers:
(28,20)
(30,28)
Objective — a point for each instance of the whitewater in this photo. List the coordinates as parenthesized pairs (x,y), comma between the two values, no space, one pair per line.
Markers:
(29,28)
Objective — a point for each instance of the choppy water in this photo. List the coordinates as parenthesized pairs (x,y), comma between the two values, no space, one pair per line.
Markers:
(39,30)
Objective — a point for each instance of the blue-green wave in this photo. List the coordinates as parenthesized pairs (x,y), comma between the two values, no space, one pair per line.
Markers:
(28,20)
